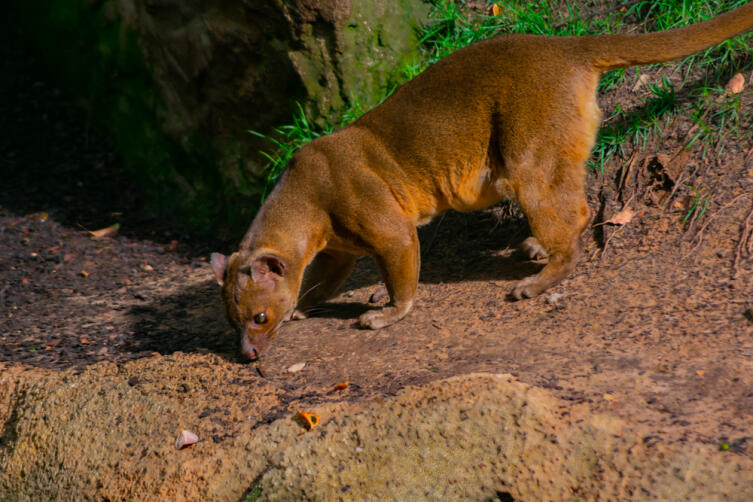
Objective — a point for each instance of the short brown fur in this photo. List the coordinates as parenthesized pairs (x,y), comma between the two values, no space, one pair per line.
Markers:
(513,116)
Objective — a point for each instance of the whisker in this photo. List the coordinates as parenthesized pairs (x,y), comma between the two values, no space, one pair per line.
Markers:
(310,289)
(316,310)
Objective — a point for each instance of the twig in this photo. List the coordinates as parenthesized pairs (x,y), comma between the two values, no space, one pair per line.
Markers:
(699,234)
(747,155)
(625,175)
(745,246)
(609,238)
(611,235)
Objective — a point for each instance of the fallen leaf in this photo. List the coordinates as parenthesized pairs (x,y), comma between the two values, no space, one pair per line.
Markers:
(700,373)
(622,217)
(84,273)
(341,386)
(640,82)
(609,397)
(185,438)
(296,367)
(105,232)
(308,420)
(147,267)
(496,10)
(736,84)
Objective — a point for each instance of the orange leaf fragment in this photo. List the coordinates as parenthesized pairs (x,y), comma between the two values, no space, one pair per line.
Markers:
(105,232)
(84,273)
(341,386)
(496,10)
(736,84)
(308,420)
(622,217)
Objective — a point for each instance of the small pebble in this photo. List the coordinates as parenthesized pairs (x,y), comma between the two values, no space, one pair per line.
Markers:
(185,438)
(555,298)
(296,367)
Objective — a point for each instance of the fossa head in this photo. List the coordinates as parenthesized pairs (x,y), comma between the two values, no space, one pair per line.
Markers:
(256,294)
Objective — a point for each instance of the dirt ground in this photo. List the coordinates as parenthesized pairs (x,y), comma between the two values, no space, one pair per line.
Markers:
(654,329)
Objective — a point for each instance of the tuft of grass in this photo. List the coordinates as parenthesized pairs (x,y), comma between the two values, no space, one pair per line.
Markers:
(287,139)
(622,129)
(253,495)
(717,116)
(698,204)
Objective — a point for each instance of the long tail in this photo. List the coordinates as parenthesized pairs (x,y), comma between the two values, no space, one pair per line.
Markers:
(607,52)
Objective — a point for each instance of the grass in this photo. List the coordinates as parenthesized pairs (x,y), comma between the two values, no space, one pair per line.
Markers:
(454,26)
(253,495)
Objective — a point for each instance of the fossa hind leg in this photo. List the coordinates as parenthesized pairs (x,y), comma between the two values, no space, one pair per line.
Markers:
(557,213)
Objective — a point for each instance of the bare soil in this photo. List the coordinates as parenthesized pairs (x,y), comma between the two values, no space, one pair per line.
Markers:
(126,335)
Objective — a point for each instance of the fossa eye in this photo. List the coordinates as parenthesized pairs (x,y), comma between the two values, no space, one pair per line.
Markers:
(260,318)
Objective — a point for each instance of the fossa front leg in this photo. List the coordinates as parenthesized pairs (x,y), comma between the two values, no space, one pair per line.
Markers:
(399,261)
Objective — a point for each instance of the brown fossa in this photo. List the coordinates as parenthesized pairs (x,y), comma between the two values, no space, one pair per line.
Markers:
(513,116)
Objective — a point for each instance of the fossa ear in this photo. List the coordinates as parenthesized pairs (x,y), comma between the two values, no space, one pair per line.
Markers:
(267,268)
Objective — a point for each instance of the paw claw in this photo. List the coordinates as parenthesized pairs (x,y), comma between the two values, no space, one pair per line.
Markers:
(533,249)
(527,288)
(378,295)
(379,318)
(373,319)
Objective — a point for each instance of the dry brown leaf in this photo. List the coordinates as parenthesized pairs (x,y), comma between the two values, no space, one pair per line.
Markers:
(622,218)
(640,82)
(105,232)
(496,10)
(186,438)
(736,84)
(84,273)
(609,397)
(341,386)
(700,373)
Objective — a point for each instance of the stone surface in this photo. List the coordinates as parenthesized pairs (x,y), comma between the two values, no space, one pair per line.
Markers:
(108,432)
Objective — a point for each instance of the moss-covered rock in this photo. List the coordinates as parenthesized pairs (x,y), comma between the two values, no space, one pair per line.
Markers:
(179,84)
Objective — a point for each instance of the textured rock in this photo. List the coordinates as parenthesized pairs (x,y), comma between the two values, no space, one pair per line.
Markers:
(478,437)
(244,65)
(108,432)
